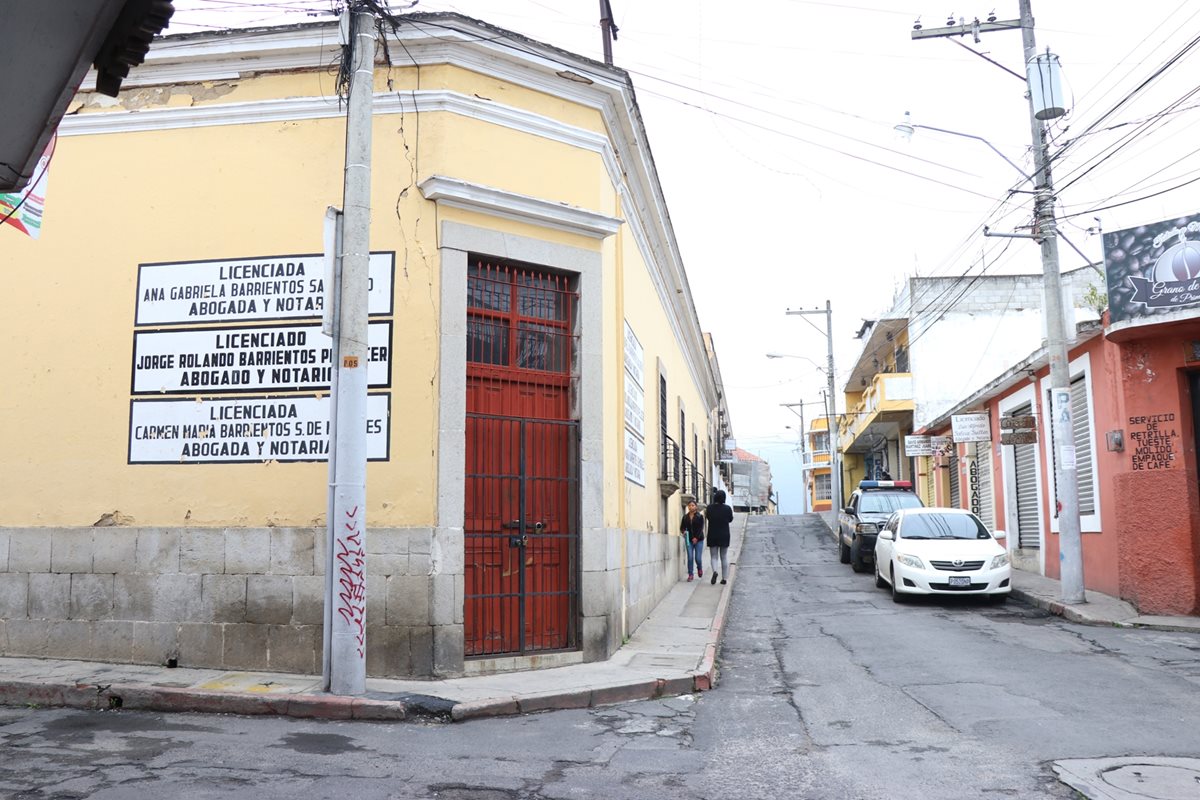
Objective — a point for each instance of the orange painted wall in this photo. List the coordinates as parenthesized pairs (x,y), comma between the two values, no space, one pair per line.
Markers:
(1157,503)
(1144,548)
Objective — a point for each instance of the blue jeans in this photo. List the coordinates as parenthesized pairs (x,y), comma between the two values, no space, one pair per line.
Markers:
(694,551)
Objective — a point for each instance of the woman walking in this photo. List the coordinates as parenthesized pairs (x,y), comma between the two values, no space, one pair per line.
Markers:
(719,516)
(692,528)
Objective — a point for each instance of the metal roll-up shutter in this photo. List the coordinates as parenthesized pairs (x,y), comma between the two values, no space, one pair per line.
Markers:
(955,488)
(1081,425)
(987,503)
(927,493)
(1025,459)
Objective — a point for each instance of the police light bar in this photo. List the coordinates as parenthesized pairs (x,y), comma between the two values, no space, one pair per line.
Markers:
(885,484)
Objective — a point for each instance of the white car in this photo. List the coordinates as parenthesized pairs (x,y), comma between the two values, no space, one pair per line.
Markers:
(941,551)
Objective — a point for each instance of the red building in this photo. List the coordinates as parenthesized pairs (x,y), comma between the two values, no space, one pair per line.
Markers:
(1135,389)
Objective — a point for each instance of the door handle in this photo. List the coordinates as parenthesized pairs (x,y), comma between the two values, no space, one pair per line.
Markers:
(529,526)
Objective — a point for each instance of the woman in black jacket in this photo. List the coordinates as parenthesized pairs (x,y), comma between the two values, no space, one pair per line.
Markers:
(719,516)
(692,528)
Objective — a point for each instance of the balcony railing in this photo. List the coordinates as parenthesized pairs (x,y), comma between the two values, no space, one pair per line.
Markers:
(691,478)
(669,467)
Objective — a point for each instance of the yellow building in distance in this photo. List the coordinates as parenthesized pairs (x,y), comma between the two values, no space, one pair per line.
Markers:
(541,396)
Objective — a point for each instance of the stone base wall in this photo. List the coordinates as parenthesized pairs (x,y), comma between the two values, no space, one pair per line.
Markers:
(225,598)
(654,563)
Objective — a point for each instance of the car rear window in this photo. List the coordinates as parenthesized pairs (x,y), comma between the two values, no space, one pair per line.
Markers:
(887,502)
(942,526)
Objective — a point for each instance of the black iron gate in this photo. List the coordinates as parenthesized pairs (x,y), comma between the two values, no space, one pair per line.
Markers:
(521,532)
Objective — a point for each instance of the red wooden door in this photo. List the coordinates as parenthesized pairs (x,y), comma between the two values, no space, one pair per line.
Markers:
(521,521)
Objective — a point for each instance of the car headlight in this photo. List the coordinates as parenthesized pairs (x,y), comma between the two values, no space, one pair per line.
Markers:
(910,561)
(866,527)
(999,561)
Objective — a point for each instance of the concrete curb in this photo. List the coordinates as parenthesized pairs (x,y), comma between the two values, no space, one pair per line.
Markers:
(153,698)
(646,689)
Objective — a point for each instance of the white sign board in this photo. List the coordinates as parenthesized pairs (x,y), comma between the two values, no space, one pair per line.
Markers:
(247,359)
(275,287)
(971,427)
(244,429)
(917,446)
(942,445)
(635,459)
(635,411)
(635,357)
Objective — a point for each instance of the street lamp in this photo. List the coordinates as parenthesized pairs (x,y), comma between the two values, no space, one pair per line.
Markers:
(907,128)
(803,358)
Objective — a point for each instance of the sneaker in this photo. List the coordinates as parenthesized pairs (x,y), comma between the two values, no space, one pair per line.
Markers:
(722,583)
(700,573)
(714,579)
(690,578)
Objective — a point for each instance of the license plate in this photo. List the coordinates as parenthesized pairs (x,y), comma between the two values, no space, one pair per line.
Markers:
(960,580)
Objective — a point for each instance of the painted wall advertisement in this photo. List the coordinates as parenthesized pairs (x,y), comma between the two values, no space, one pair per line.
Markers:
(206,389)
(635,409)
(1153,269)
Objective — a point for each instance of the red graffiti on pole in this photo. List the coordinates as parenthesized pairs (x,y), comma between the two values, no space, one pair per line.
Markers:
(352,560)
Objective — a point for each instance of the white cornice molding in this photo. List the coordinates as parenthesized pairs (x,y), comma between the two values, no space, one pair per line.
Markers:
(522,208)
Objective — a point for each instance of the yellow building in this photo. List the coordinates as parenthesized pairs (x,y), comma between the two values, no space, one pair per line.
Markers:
(818,466)
(879,407)
(541,395)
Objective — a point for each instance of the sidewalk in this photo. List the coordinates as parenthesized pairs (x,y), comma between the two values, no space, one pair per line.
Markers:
(672,652)
(1100,609)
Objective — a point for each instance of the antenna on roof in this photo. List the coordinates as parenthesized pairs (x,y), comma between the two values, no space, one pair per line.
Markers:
(608,29)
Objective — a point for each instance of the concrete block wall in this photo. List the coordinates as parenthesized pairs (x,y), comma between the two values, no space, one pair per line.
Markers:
(613,609)
(229,598)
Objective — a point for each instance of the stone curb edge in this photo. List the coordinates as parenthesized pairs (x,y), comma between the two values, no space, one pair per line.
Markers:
(646,689)
(706,674)
(155,698)
(1072,614)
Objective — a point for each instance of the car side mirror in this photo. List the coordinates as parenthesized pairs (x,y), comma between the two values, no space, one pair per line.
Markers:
(886,535)
(1000,535)
(848,510)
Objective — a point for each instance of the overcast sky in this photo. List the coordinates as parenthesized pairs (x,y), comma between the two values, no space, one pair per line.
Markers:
(772,125)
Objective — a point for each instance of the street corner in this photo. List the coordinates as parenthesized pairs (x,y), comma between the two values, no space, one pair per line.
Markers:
(1131,777)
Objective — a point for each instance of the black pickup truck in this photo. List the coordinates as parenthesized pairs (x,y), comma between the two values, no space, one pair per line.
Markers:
(870,506)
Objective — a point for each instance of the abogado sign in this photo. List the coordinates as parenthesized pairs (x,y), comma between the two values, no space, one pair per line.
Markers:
(917,446)
(971,428)
(1153,269)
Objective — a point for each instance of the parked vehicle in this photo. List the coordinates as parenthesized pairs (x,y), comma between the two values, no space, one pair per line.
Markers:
(870,506)
(941,551)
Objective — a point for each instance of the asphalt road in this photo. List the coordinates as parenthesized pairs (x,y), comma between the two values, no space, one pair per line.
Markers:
(827,690)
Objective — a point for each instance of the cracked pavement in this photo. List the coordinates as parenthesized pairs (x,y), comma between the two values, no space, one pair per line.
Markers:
(827,690)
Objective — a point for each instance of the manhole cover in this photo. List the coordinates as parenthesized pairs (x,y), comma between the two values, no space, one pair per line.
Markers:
(1158,781)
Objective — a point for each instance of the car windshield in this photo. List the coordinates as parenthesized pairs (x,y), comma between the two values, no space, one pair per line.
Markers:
(943,526)
(887,502)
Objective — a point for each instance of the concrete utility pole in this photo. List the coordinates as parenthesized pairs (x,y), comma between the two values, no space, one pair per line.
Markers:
(1045,233)
(835,461)
(346,570)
